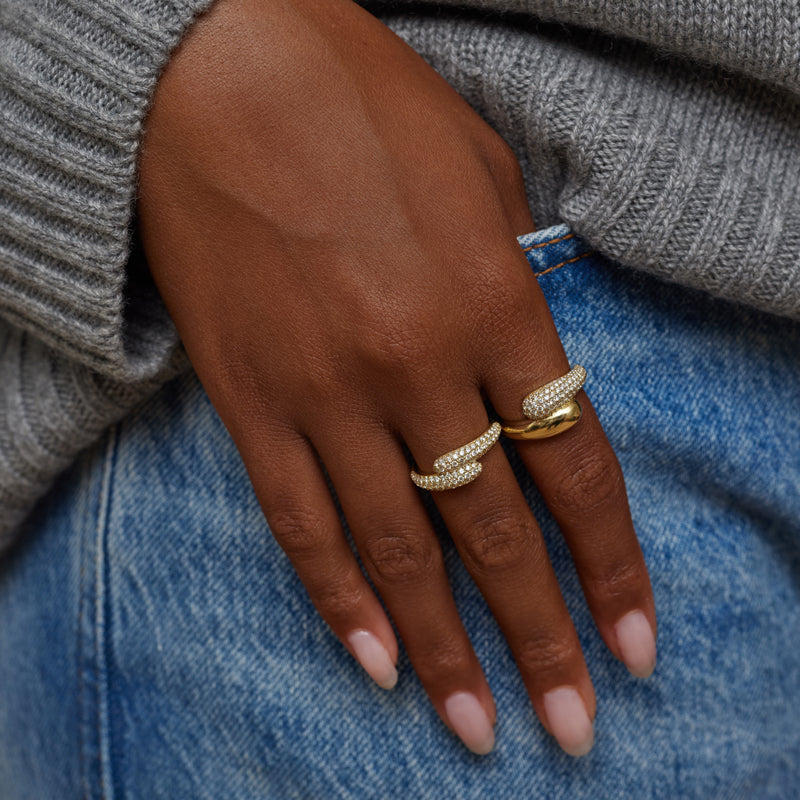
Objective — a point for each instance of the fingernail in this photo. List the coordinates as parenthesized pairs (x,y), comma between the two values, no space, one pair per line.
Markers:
(470,722)
(373,656)
(568,720)
(636,644)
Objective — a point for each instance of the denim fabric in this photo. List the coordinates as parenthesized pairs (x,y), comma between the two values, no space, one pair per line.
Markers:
(156,643)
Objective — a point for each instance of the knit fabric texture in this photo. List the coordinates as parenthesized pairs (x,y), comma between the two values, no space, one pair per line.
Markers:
(665,134)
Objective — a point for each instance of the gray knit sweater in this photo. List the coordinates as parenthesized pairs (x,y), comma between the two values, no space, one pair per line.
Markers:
(665,133)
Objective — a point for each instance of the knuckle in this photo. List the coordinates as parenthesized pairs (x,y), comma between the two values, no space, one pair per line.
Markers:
(399,557)
(448,658)
(593,482)
(504,163)
(236,374)
(397,344)
(500,308)
(620,580)
(338,600)
(320,386)
(503,304)
(298,530)
(547,655)
(498,543)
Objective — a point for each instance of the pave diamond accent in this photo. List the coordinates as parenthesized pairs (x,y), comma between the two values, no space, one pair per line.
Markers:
(448,480)
(460,466)
(469,452)
(553,395)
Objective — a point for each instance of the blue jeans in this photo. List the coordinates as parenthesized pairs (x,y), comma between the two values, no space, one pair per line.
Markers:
(156,643)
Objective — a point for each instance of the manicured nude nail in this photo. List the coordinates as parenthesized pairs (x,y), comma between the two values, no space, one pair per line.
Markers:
(469,721)
(636,644)
(568,720)
(373,656)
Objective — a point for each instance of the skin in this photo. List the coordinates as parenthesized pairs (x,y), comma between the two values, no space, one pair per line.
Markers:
(307,182)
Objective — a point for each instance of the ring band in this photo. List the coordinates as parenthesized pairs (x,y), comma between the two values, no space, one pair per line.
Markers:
(560,420)
(460,466)
(551,409)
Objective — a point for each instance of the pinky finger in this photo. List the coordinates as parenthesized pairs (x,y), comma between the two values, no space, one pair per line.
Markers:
(291,489)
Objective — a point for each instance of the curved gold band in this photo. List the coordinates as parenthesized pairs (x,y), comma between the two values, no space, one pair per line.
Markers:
(551,409)
(460,466)
(558,421)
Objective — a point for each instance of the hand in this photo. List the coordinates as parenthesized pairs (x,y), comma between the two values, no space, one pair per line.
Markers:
(305,180)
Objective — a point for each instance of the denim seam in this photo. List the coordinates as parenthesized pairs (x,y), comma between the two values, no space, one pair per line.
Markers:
(83,757)
(95,764)
(549,241)
(104,507)
(564,263)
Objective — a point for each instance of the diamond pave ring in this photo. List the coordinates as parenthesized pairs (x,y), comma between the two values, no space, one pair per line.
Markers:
(550,409)
(460,466)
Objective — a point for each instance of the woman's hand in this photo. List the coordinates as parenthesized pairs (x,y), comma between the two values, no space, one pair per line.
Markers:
(306,179)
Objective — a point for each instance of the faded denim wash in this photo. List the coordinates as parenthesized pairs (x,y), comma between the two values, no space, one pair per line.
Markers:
(156,643)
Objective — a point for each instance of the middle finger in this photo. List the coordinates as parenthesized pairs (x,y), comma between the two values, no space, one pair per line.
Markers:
(504,551)
(400,551)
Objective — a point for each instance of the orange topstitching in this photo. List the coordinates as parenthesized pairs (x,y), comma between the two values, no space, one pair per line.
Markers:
(563,263)
(544,244)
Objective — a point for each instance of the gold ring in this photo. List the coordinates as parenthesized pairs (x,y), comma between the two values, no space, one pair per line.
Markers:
(543,401)
(551,409)
(560,420)
(460,466)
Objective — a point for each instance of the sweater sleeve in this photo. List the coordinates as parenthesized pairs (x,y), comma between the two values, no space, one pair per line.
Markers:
(84,335)
(76,79)
(687,171)
(756,38)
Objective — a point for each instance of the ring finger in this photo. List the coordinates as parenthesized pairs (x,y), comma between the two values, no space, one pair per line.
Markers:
(581,481)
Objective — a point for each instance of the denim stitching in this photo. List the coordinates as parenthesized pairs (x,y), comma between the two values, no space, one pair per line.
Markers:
(93,629)
(100,621)
(563,263)
(81,628)
(550,241)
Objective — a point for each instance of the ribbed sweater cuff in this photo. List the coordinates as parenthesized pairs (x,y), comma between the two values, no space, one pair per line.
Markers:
(76,80)
(752,37)
(689,174)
